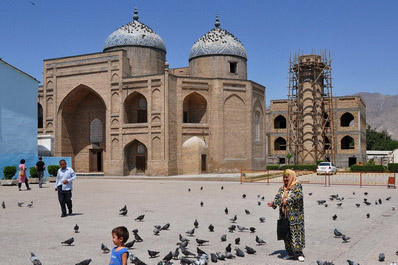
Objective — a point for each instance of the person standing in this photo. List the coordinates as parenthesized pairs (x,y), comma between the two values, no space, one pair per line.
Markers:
(290,201)
(63,184)
(40,166)
(22,178)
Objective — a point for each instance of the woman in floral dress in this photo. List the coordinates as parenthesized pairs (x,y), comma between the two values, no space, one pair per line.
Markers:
(22,178)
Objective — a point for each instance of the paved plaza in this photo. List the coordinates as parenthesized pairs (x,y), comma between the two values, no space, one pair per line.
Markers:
(97,202)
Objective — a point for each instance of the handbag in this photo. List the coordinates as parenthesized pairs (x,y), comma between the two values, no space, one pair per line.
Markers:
(283,228)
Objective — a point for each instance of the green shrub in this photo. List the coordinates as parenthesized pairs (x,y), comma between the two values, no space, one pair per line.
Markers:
(368,168)
(272,167)
(9,172)
(33,172)
(299,167)
(53,169)
(393,167)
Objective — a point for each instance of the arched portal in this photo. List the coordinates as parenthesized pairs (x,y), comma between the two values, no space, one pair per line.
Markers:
(347,120)
(347,142)
(280,144)
(194,109)
(82,115)
(39,116)
(135,157)
(135,107)
(280,122)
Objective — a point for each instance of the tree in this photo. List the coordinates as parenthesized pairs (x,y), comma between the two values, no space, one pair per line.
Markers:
(379,140)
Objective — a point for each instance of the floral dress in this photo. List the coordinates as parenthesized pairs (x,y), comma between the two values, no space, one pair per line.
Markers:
(295,206)
(22,173)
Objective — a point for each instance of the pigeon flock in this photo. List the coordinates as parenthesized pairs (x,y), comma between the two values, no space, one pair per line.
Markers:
(234,242)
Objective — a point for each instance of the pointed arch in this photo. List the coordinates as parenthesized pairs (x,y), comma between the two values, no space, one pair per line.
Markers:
(194,108)
(135,108)
(135,157)
(39,116)
(280,144)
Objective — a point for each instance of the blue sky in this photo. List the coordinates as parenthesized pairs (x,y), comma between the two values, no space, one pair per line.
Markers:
(362,36)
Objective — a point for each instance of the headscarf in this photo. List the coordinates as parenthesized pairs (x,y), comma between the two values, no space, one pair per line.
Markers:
(291,183)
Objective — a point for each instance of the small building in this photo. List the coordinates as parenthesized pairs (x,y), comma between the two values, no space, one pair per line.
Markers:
(383,157)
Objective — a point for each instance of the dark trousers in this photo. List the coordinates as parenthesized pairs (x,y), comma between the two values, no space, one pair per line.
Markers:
(65,199)
(26,183)
(40,174)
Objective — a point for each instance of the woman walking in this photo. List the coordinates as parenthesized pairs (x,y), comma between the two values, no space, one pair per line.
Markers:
(22,175)
(290,201)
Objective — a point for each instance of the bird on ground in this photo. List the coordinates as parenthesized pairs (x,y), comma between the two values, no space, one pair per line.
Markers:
(20,204)
(388,198)
(334,217)
(233,220)
(260,241)
(242,228)
(320,202)
(104,249)
(226,210)
(244,196)
(201,204)
(229,255)
(140,218)
(135,260)
(247,211)
(353,193)
(211,228)
(262,198)
(228,248)
(237,241)
(393,208)
(76,228)
(137,238)
(68,241)
(168,257)
(130,244)
(196,223)
(252,229)
(321,262)
(186,252)
(259,203)
(123,213)
(367,203)
(201,188)
(201,241)
(222,187)
(200,252)
(376,203)
(250,250)
(183,239)
(310,194)
(84,262)
(189,190)
(123,209)
(223,238)
(337,233)
(262,219)
(3,204)
(357,204)
(185,261)
(158,226)
(156,231)
(166,226)
(190,232)
(239,252)
(153,254)
(380,201)
(213,257)
(34,259)
(183,244)
(135,231)
(367,215)
(396,253)
(176,253)
(258,196)
(366,194)
(326,205)
(382,257)
(345,238)
(365,200)
(232,228)
(220,256)
(339,204)
(350,262)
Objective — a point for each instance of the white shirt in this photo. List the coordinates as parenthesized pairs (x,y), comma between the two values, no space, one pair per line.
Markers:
(65,174)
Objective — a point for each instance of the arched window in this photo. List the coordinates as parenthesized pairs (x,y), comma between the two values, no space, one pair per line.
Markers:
(280,122)
(280,144)
(194,109)
(135,107)
(141,149)
(96,131)
(257,126)
(347,143)
(347,120)
(39,116)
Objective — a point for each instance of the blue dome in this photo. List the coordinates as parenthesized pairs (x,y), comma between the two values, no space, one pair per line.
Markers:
(135,33)
(217,41)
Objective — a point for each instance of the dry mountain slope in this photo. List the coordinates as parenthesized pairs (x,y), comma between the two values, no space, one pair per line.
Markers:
(382,112)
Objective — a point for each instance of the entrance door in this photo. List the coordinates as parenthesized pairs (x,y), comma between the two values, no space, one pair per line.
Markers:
(95,160)
(140,163)
(352,161)
(204,163)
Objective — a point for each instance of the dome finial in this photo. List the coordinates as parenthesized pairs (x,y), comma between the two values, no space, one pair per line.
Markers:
(135,14)
(217,24)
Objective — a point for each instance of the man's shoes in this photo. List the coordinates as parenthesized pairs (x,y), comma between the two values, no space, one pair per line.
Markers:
(301,258)
(70,212)
(63,215)
(29,188)
(287,257)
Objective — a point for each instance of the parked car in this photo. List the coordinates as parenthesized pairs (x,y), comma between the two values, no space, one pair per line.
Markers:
(326,168)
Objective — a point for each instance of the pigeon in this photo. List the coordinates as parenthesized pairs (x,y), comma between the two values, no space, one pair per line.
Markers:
(262,198)
(393,208)
(320,202)
(365,193)
(367,203)
(357,204)
(262,219)
(84,262)
(196,223)
(166,226)
(239,252)
(258,196)
(382,257)
(345,238)
(123,209)
(137,238)
(20,204)
(183,239)
(259,203)
(201,188)
(156,231)
(260,241)
(337,233)
(310,194)
(191,232)
(247,211)
(326,205)
(186,252)
(339,204)
(237,241)
(222,187)
(130,244)
(376,203)
(228,248)
(201,241)
(220,256)
(380,201)
(158,226)
(250,250)
(242,228)
(252,229)
(350,262)
(30,205)
(223,238)
(169,256)
(321,262)
(232,228)
(244,196)
(365,200)
(140,218)
(334,217)
(233,220)
(367,215)
(76,228)
(226,210)
(68,241)
(135,260)
(213,257)
(183,244)
(34,259)
(388,198)
(189,190)
(3,204)
(211,228)
(123,213)
(175,254)
(201,204)
(396,253)
(104,249)
(229,255)
(153,254)
(200,252)
(185,261)
(135,231)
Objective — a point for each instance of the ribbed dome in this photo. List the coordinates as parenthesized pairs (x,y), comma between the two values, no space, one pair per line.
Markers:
(135,33)
(217,41)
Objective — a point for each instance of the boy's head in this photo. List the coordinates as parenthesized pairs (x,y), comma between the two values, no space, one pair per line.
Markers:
(121,233)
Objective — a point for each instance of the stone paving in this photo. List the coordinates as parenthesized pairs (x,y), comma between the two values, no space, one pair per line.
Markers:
(97,202)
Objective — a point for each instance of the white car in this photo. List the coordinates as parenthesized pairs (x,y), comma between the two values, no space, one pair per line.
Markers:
(326,168)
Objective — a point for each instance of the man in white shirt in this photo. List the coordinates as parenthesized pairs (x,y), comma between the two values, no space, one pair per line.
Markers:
(63,184)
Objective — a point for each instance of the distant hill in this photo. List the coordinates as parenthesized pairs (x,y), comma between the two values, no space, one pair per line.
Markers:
(382,112)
